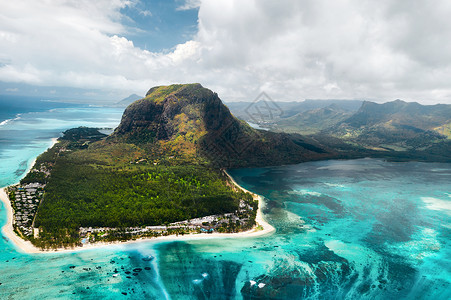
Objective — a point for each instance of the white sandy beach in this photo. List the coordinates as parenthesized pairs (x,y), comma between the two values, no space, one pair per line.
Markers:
(27,247)
(8,231)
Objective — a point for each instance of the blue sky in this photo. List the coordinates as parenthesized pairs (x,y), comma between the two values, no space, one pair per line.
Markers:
(159,25)
(290,49)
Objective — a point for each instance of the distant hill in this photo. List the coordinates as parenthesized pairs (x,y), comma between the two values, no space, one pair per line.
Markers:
(128,100)
(191,121)
(313,121)
(396,125)
(425,117)
(396,130)
(289,109)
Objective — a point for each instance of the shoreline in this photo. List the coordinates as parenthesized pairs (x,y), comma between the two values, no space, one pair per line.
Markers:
(267,228)
(8,230)
(27,247)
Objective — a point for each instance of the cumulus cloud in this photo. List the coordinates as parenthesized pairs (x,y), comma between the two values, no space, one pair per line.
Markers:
(291,49)
(333,49)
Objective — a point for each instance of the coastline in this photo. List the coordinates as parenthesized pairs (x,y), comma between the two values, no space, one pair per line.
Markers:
(27,247)
(8,231)
(267,228)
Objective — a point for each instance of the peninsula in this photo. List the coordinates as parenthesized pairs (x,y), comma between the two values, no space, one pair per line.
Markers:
(161,173)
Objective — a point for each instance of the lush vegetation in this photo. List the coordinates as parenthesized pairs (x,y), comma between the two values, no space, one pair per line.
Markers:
(119,185)
(88,195)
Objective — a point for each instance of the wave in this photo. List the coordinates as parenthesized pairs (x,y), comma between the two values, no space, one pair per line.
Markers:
(9,120)
(334,185)
(305,192)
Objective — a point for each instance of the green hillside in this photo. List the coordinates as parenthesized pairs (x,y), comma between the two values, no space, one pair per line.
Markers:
(396,125)
(313,121)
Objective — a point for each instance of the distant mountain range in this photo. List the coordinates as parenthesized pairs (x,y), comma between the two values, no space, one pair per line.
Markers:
(313,121)
(397,127)
(289,109)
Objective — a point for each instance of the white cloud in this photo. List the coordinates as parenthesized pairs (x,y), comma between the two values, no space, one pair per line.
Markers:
(186,51)
(12,90)
(363,49)
(145,13)
(189,4)
(291,49)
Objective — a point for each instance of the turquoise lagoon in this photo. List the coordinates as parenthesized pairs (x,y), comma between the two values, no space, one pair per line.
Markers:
(359,229)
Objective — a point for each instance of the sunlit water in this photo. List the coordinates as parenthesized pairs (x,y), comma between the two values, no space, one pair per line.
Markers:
(345,229)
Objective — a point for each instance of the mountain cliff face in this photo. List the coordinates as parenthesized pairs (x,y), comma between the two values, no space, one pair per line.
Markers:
(167,113)
(191,121)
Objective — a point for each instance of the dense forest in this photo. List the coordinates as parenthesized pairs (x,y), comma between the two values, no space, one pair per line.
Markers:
(89,195)
(90,182)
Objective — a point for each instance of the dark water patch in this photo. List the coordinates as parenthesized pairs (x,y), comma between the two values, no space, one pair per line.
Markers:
(269,181)
(21,169)
(397,219)
(319,253)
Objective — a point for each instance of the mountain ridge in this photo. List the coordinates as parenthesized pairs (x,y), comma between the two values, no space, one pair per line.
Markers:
(192,121)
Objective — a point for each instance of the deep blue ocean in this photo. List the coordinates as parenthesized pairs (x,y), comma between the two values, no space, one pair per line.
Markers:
(356,229)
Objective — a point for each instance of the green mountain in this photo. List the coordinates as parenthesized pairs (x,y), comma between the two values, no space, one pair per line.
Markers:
(396,125)
(191,122)
(313,121)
